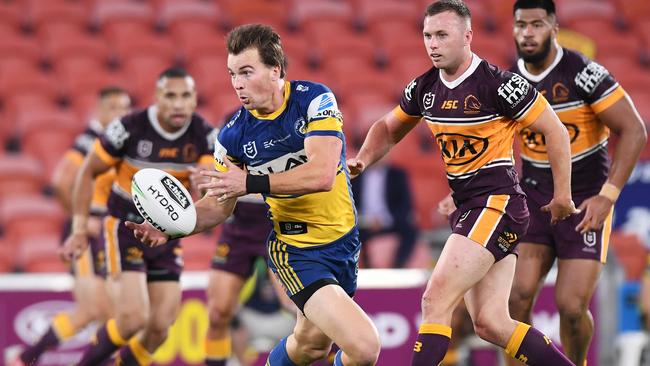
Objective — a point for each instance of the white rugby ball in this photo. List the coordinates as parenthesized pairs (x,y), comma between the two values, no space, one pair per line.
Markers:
(163,201)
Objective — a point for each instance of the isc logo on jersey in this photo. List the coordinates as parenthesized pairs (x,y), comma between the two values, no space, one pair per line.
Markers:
(163,202)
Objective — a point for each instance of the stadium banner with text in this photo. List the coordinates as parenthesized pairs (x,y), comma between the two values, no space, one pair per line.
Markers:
(390,297)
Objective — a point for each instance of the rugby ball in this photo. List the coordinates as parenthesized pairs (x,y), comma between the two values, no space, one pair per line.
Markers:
(164,202)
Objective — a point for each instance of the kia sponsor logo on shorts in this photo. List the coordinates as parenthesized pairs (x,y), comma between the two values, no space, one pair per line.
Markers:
(459,149)
(33,321)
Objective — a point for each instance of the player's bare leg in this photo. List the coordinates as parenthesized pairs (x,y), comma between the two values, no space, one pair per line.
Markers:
(331,315)
(131,314)
(576,282)
(165,301)
(466,265)
(223,294)
(533,264)
(92,305)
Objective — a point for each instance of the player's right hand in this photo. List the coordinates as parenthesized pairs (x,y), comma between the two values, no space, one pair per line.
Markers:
(355,166)
(560,209)
(74,246)
(147,234)
(447,206)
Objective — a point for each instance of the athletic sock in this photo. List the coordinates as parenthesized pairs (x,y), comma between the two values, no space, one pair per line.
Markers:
(106,341)
(531,347)
(431,345)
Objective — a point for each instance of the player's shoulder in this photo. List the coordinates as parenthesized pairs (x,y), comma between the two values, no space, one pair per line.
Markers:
(234,127)
(200,123)
(316,100)
(307,90)
(424,81)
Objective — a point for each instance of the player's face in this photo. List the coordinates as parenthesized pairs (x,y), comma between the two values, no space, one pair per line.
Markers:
(176,101)
(445,37)
(254,82)
(113,106)
(534,31)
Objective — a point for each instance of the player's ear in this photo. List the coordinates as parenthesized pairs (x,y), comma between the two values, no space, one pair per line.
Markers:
(275,73)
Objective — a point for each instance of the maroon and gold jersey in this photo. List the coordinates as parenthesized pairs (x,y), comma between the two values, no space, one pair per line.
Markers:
(474,119)
(577,89)
(138,141)
(82,145)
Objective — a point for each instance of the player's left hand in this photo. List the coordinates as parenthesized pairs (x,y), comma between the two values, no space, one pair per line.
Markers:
(196,179)
(225,185)
(560,209)
(596,209)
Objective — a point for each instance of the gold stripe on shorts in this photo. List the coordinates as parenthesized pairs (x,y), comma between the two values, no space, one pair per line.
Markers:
(604,240)
(280,258)
(112,245)
(489,219)
(84,264)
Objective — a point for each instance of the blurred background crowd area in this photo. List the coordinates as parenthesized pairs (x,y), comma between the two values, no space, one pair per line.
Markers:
(56,54)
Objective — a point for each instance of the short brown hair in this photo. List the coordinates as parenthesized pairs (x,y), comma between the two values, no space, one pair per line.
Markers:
(264,39)
(456,6)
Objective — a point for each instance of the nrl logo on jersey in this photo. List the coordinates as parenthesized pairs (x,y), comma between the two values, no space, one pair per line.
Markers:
(145,147)
(250,149)
(428,99)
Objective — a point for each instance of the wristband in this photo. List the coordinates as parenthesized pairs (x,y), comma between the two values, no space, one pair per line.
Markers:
(258,184)
(79,224)
(610,191)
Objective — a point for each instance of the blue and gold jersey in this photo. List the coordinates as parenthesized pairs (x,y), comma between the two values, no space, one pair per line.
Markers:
(274,143)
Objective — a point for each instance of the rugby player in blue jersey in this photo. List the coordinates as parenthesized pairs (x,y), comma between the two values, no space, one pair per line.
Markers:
(286,143)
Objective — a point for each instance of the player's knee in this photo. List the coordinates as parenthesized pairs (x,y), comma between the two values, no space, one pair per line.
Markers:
(520,304)
(220,315)
(572,310)
(312,347)
(364,351)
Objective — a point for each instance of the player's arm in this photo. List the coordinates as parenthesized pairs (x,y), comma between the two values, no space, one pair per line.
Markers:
(623,120)
(64,176)
(559,153)
(382,136)
(77,242)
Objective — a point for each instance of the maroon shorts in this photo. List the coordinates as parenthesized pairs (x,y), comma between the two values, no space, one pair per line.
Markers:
(496,224)
(563,238)
(243,240)
(126,253)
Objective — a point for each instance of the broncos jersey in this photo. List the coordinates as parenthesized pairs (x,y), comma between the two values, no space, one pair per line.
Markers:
(83,143)
(474,119)
(138,141)
(274,143)
(578,89)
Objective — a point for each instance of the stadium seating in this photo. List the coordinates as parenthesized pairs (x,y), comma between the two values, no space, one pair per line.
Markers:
(22,216)
(40,253)
(20,174)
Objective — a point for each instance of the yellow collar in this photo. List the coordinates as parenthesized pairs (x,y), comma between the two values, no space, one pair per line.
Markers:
(274,115)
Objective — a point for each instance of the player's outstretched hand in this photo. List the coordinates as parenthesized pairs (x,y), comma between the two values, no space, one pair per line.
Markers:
(225,185)
(560,209)
(596,209)
(147,234)
(355,166)
(74,246)
(446,206)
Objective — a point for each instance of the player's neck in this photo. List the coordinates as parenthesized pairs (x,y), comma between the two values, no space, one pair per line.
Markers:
(541,66)
(452,73)
(276,101)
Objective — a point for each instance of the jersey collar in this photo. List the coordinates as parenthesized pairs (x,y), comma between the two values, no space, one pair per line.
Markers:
(521,65)
(470,70)
(274,115)
(152,113)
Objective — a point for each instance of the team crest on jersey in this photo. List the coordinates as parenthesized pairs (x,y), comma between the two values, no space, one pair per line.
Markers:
(471,105)
(428,99)
(300,126)
(250,149)
(560,93)
(145,147)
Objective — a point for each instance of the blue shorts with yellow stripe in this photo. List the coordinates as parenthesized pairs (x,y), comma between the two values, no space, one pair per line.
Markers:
(302,271)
